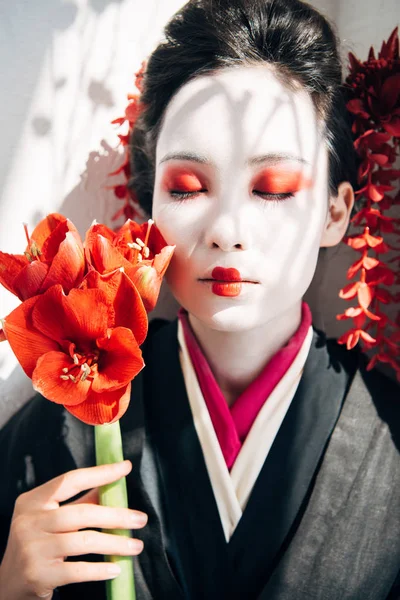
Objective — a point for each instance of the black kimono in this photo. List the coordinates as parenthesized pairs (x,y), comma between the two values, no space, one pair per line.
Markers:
(322,521)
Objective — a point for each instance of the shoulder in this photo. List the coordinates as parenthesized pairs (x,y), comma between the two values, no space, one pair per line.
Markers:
(372,393)
(362,387)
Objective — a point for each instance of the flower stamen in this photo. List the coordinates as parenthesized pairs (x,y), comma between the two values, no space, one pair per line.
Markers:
(86,371)
(134,245)
(149,224)
(82,367)
(27,233)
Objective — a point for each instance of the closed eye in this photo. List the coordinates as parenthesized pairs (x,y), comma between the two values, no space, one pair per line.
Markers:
(266,195)
(274,197)
(183,195)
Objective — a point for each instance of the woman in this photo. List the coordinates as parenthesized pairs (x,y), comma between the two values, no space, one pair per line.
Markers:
(265,458)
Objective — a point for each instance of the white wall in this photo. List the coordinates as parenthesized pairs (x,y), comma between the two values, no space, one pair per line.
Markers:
(66,67)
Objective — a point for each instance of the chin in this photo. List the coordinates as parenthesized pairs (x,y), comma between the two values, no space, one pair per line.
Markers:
(227,318)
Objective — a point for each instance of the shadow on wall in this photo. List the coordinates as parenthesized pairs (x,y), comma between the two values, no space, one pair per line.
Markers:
(99,5)
(26,31)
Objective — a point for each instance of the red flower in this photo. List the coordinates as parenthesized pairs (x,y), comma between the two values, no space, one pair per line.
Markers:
(375,220)
(374,88)
(139,249)
(352,337)
(76,351)
(364,293)
(365,262)
(364,240)
(54,254)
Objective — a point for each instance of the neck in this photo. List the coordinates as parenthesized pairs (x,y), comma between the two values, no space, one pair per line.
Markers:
(237,357)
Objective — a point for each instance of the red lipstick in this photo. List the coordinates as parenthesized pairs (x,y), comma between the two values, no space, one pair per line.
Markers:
(223,274)
(228,281)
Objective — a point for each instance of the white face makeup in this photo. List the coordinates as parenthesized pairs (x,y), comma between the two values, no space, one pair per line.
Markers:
(241,182)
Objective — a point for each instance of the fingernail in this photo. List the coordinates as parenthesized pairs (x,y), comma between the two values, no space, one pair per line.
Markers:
(113,570)
(124,464)
(138,519)
(135,545)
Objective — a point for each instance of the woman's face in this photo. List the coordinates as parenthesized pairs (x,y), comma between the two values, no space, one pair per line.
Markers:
(241,183)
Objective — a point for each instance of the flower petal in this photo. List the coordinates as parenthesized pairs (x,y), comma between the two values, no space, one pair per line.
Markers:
(46,379)
(10,266)
(45,228)
(349,291)
(26,342)
(68,265)
(125,298)
(148,283)
(367,338)
(102,255)
(365,295)
(29,281)
(162,260)
(80,317)
(105,407)
(120,360)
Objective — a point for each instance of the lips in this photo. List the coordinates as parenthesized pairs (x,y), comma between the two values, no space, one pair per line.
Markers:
(222,274)
(227,275)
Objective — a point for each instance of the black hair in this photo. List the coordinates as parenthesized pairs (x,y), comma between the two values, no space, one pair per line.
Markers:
(208,35)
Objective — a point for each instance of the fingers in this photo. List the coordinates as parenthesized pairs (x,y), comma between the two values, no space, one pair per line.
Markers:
(74,517)
(67,485)
(79,572)
(95,542)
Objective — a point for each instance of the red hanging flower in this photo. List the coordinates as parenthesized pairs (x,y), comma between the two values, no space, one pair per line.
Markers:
(375,87)
(131,208)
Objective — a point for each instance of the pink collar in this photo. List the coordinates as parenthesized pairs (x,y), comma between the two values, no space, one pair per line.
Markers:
(232,424)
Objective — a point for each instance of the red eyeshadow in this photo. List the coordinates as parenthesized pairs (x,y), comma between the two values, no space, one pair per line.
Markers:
(281,181)
(182,180)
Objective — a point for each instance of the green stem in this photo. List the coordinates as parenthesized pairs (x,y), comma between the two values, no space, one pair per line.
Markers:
(108,445)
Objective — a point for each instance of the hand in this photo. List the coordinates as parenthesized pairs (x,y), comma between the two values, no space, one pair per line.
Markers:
(43,534)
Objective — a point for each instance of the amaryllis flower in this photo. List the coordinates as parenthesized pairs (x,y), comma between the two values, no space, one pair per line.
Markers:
(140,249)
(77,351)
(54,254)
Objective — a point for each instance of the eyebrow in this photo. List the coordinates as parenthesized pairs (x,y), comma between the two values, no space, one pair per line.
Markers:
(271,158)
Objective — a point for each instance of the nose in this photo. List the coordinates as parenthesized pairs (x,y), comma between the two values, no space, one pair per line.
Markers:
(227,231)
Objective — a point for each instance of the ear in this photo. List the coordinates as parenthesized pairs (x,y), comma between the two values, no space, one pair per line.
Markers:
(338,216)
